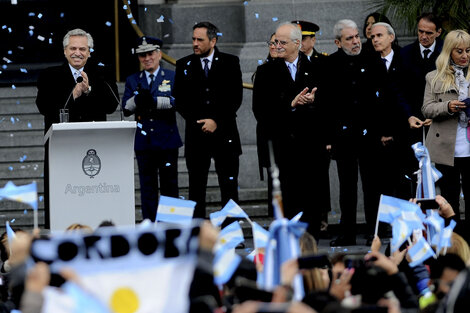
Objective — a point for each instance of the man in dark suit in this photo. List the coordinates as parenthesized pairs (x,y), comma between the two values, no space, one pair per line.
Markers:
(208,92)
(289,115)
(397,154)
(419,58)
(87,90)
(148,95)
(352,136)
(60,87)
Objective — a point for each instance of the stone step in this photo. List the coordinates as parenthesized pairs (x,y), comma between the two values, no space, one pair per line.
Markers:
(19,123)
(22,139)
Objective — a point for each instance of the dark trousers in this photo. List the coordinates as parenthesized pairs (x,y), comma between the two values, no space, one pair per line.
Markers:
(348,167)
(226,167)
(456,179)
(305,184)
(155,165)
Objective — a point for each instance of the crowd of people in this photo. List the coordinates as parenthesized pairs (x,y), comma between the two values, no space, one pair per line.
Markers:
(363,106)
(376,282)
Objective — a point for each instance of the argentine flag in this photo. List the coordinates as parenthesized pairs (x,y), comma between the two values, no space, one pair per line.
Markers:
(435,225)
(389,208)
(26,194)
(420,252)
(260,235)
(231,209)
(174,210)
(400,232)
(230,236)
(446,236)
(225,263)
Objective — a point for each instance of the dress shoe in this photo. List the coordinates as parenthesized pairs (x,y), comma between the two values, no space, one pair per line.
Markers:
(343,241)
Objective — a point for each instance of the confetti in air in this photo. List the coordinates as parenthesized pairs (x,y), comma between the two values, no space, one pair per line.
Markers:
(108,24)
(275,19)
(161,19)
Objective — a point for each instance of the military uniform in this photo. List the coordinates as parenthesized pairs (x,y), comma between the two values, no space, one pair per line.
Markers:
(157,138)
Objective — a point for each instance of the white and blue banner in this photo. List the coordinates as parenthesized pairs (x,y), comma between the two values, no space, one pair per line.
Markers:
(427,174)
(129,270)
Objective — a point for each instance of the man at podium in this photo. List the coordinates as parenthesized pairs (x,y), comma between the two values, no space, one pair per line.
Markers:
(86,89)
(148,95)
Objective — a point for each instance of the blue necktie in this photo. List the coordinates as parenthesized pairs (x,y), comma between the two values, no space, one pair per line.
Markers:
(206,67)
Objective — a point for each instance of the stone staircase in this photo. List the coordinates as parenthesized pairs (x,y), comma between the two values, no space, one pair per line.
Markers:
(22,161)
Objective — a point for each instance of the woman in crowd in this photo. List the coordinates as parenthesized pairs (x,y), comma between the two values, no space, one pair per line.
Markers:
(448,138)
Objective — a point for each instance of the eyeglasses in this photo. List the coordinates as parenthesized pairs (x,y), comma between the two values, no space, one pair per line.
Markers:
(281,42)
(271,43)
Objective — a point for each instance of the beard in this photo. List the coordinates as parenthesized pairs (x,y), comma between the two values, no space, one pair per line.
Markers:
(351,52)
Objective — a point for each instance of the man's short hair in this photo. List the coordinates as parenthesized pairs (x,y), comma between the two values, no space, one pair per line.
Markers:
(342,24)
(212,30)
(389,27)
(77,32)
(430,17)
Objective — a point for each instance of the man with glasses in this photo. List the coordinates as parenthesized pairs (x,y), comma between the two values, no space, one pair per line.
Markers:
(290,116)
(148,95)
(351,136)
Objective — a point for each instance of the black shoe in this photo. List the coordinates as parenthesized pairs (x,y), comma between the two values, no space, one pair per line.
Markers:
(343,241)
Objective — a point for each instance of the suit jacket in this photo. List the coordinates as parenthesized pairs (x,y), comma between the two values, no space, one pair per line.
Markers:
(351,87)
(393,105)
(217,97)
(302,127)
(158,128)
(416,69)
(442,134)
(55,85)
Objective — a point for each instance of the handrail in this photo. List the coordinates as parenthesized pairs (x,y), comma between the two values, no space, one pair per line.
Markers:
(139,33)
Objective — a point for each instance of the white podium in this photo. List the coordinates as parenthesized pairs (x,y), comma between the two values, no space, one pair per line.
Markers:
(91,173)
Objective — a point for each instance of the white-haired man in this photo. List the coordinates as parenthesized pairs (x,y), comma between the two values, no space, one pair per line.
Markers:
(396,150)
(289,115)
(87,90)
(352,137)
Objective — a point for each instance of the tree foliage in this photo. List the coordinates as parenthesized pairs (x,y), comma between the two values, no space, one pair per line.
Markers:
(455,14)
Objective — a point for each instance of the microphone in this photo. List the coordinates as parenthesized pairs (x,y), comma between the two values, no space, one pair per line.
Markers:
(79,80)
(117,99)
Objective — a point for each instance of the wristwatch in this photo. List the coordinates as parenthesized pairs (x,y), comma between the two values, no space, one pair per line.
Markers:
(88,91)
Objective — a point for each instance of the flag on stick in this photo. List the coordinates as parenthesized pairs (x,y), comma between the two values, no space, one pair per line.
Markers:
(174,210)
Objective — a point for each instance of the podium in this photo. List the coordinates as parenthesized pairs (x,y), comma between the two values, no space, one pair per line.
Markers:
(91,173)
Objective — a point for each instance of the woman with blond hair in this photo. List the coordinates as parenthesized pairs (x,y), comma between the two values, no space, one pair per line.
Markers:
(448,137)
